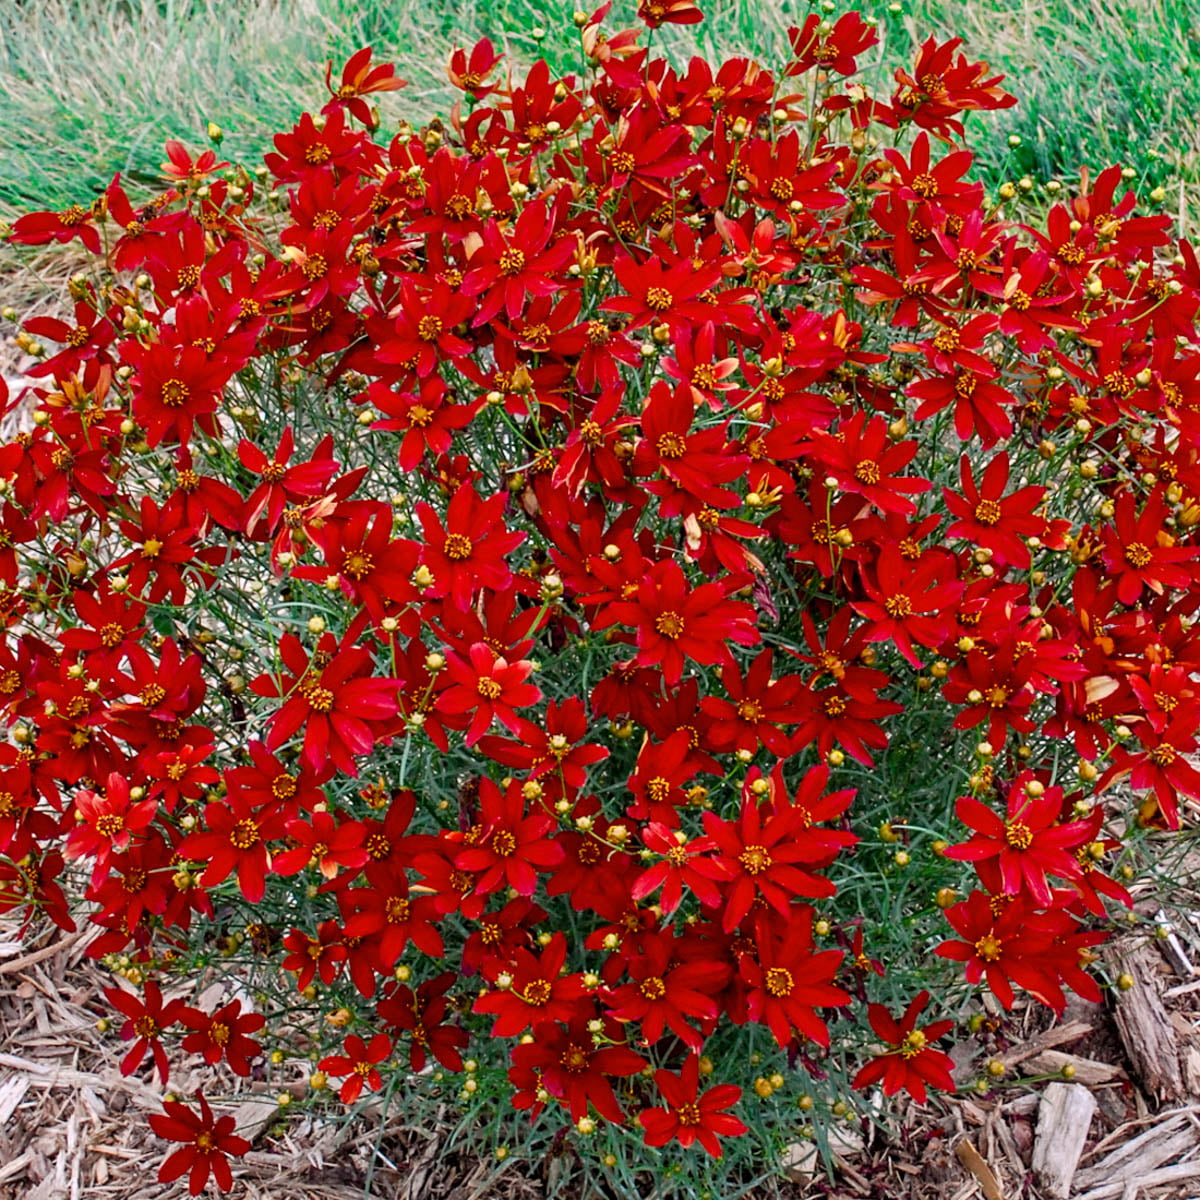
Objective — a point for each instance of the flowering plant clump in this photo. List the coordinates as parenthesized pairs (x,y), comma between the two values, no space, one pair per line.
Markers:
(544,597)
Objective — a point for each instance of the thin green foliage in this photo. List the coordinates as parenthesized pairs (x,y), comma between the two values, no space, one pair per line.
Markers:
(92,87)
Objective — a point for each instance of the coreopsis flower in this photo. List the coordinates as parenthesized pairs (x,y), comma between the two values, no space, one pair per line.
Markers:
(341,707)
(989,518)
(283,482)
(360,77)
(669,12)
(324,842)
(691,1115)
(423,1016)
(910,1062)
(209,1144)
(656,293)
(663,994)
(675,621)
(489,688)
(223,1034)
(146,1018)
(533,992)
(470,74)
(834,49)
(1006,941)
(1140,552)
(767,850)
(359,1065)
(468,551)
(1029,843)
(522,261)
(863,460)
(513,846)
(786,981)
(308,955)
(683,863)
(1161,763)
(234,839)
(693,464)
(106,822)
(74,221)
(576,1065)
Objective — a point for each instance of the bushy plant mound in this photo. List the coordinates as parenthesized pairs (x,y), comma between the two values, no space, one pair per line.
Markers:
(549,603)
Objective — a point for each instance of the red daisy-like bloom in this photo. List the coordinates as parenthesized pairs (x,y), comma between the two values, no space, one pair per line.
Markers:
(235,839)
(1140,552)
(468,552)
(107,821)
(691,1115)
(333,698)
(146,1019)
(992,520)
(534,992)
(675,621)
(223,1034)
(767,849)
(576,1066)
(489,687)
(910,1062)
(1029,843)
(308,955)
(360,1065)
(209,1144)
(512,846)
(863,460)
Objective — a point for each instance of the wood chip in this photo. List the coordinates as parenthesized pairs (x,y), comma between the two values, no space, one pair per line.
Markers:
(1152,1042)
(1135,1158)
(1064,1117)
(1187,1172)
(1087,1070)
(1058,1035)
(975,1163)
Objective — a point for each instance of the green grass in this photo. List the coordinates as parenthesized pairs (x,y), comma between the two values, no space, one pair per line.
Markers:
(92,87)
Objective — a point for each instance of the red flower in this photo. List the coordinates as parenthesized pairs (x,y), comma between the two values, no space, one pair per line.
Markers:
(512,847)
(467,552)
(669,12)
(308,955)
(682,865)
(209,1142)
(360,1065)
(146,1019)
(910,1062)
(323,842)
(107,820)
(675,622)
(764,848)
(575,1065)
(235,840)
(360,78)
(1029,843)
(422,1015)
(863,460)
(534,993)
(222,1034)
(470,75)
(663,993)
(489,687)
(524,261)
(283,484)
(787,982)
(1140,553)
(992,520)
(342,709)
(693,464)
(691,1115)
